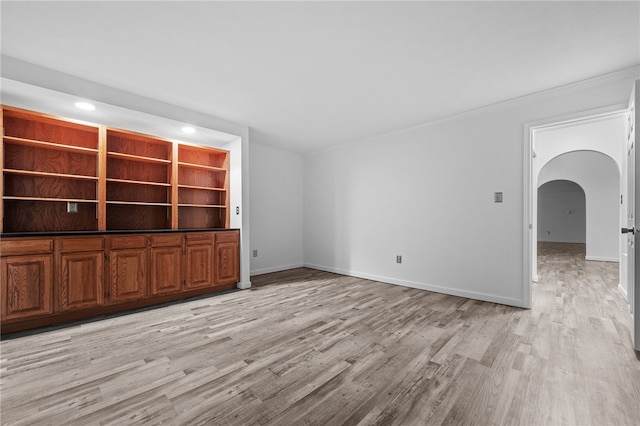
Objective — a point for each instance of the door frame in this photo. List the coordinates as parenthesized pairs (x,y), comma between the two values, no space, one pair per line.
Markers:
(529,186)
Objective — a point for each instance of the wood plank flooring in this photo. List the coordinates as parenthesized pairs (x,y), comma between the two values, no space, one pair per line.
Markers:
(306,347)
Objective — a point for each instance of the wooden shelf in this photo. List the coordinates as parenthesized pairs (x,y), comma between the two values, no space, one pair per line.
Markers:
(49,145)
(201,167)
(123,180)
(204,188)
(212,206)
(138,182)
(138,203)
(71,200)
(47,174)
(138,158)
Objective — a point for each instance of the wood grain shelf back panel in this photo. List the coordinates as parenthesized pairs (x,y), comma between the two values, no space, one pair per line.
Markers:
(128,170)
(197,156)
(41,128)
(126,217)
(197,217)
(49,187)
(138,145)
(117,191)
(43,216)
(206,178)
(198,196)
(22,157)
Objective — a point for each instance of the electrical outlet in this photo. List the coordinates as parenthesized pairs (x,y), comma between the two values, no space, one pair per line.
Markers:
(255,253)
(398,259)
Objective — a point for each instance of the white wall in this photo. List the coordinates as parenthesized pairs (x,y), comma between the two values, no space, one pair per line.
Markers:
(276,209)
(426,193)
(599,177)
(561,212)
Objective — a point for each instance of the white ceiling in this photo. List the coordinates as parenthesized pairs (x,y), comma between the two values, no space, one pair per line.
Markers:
(307,75)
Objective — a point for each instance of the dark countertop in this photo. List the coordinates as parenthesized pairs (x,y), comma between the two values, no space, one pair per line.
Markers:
(109,232)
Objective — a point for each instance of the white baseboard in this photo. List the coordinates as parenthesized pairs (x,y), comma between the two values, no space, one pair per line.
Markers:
(275,269)
(602,259)
(623,291)
(422,286)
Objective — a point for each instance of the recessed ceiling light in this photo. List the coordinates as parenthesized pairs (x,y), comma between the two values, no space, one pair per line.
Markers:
(85,106)
(188,129)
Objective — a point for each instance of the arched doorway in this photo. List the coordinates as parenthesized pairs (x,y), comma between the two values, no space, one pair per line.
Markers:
(598,176)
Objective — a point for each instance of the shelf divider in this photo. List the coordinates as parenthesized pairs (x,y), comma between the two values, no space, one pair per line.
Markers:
(138,158)
(48,174)
(70,200)
(50,145)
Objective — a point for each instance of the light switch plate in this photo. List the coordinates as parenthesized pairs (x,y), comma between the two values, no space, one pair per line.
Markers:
(497,197)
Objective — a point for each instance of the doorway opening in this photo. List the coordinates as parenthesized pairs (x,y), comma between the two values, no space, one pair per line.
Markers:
(587,150)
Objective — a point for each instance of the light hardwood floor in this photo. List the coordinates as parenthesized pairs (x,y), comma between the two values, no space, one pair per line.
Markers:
(310,347)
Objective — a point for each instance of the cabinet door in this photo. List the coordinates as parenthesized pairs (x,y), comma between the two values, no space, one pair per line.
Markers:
(199,265)
(26,286)
(227,264)
(166,269)
(128,275)
(81,280)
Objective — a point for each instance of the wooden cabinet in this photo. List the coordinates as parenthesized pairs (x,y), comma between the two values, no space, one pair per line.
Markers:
(81,280)
(128,268)
(50,280)
(26,286)
(166,263)
(199,261)
(27,278)
(95,190)
(81,271)
(227,257)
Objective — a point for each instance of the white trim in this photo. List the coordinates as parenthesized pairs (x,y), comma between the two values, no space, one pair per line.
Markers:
(623,291)
(527,221)
(602,259)
(275,269)
(625,73)
(527,205)
(423,286)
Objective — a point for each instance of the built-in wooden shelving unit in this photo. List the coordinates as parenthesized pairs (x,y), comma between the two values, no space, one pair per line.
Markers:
(120,180)
(96,220)
(203,195)
(48,163)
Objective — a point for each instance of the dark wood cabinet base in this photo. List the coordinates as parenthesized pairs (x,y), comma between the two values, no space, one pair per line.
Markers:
(49,280)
